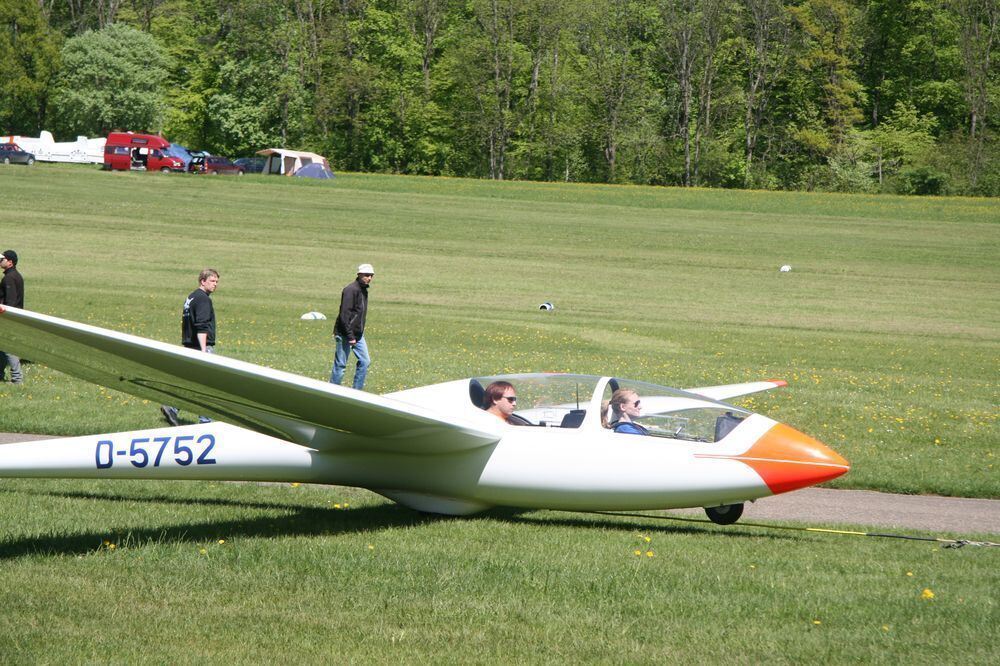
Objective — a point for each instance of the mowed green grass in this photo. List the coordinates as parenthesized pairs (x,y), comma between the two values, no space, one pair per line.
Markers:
(183,572)
(886,330)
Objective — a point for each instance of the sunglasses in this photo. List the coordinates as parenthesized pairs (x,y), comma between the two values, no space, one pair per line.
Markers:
(510,398)
(636,403)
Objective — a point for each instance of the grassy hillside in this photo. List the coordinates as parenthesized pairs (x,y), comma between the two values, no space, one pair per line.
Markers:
(886,329)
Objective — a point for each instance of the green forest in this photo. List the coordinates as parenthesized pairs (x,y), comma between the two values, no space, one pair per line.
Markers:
(897,96)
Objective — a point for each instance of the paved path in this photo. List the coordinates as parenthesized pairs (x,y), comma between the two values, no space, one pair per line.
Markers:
(822,506)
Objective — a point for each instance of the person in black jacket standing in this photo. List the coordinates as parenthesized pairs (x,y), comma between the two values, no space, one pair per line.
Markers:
(12,294)
(349,331)
(197,327)
(198,315)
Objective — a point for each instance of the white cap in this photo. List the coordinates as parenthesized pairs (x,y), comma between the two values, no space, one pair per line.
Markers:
(366,268)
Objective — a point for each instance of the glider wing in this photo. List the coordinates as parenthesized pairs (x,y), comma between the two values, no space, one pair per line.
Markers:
(280,404)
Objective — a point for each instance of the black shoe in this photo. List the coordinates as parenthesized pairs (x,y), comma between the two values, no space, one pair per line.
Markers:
(170,414)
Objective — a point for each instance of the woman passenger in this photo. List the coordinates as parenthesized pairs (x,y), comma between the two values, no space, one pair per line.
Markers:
(624,407)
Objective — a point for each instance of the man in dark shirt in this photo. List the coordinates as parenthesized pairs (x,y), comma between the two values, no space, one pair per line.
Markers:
(12,294)
(197,327)
(349,331)
(198,315)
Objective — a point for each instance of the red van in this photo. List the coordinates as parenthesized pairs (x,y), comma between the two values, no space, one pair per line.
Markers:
(126,151)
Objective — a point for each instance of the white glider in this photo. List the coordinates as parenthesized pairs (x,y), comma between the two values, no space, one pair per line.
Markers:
(45,148)
(430,448)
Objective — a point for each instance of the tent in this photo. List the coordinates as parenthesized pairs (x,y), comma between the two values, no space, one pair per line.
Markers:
(286,162)
(314,170)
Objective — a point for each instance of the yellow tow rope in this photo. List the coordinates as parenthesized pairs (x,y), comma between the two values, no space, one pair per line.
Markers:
(949,543)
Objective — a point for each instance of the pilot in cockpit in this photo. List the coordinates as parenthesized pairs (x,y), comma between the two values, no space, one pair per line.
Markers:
(499,400)
(623,407)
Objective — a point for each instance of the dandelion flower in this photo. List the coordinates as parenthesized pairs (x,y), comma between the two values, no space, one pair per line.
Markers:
(222,541)
(203,551)
(650,553)
(817,622)
(909,573)
(295,484)
(637,551)
(885,627)
(371,547)
(927,594)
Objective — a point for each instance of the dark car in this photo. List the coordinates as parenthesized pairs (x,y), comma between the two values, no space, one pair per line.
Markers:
(251,164)
(214,165)
(11,153)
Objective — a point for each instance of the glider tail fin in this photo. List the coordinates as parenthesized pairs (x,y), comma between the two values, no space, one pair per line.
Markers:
(726,391)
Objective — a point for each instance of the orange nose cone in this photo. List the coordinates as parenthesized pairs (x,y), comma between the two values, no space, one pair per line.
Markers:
(788,460)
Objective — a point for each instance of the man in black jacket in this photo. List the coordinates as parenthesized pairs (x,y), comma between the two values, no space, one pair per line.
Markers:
(197,328)
(349,331)
(198,315)
(11,293)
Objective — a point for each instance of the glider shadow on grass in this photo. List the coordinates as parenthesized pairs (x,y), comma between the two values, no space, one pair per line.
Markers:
(287,520)
(291,520)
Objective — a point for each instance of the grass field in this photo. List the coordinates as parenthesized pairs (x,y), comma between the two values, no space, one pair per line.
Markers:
(192,572)
(887,329)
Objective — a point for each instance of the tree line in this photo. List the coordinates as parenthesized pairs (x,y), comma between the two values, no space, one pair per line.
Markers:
(839,95)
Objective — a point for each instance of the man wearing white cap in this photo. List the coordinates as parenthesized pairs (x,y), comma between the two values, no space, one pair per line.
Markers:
(349,331)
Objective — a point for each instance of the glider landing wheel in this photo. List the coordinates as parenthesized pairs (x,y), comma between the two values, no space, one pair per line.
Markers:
(726,514)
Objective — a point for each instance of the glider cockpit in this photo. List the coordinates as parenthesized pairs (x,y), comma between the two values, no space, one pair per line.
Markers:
(576,401)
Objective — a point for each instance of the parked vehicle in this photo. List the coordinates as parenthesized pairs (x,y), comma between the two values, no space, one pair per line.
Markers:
(214,165)
(181,153)
(139,152)
(11,153)
(251,164)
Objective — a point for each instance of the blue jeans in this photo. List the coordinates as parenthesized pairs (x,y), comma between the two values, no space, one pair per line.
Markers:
(340,357)
(15,367)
